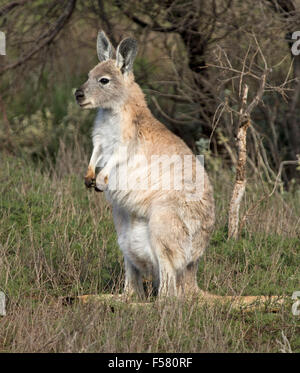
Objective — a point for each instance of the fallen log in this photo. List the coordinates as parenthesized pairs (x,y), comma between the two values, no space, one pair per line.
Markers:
(269,304)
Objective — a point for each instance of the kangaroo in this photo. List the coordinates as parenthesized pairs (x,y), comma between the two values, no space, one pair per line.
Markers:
(162,231)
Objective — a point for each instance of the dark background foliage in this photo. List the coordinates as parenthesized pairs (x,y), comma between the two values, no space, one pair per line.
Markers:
(191,55)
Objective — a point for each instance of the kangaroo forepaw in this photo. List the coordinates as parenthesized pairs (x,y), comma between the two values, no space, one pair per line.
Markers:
(101,183)
(89,182)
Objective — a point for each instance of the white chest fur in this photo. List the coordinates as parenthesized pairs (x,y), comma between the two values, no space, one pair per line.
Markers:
(106,134)
(133,235)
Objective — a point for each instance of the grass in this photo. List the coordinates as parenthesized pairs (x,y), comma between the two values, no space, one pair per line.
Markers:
(58,239)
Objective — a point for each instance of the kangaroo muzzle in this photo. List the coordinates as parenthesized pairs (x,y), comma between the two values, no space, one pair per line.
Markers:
(79,95)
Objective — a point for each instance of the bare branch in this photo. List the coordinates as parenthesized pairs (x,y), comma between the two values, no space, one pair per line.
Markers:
(49,36)
(259,94)
(10,6)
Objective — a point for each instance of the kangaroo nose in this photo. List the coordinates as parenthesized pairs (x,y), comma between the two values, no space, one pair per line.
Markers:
(79,94)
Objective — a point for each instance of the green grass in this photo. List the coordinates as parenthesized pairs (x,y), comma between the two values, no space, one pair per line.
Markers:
(258,264)
(52,231)
(58,239)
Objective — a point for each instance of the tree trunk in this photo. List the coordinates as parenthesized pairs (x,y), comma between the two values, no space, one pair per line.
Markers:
(240,181)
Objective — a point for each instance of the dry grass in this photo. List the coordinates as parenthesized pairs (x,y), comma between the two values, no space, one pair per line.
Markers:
(57,239)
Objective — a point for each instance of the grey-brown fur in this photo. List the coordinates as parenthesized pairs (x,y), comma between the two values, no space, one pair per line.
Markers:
(162,233)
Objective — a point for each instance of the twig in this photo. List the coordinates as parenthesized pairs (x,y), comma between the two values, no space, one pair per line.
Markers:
(256,204)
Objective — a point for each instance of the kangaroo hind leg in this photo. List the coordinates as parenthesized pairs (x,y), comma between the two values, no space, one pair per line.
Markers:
(168,238)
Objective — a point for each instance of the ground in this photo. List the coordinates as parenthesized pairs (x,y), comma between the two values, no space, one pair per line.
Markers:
(57,239)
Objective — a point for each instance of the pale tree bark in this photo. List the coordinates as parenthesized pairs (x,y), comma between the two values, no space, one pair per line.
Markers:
(240,179)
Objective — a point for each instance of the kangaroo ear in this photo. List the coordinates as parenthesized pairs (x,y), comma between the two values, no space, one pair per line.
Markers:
(105,50)
(125,55)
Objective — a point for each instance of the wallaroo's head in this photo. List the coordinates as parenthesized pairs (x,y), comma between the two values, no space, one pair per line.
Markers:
(107,82)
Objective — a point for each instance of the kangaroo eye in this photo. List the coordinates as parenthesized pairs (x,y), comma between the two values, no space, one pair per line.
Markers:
(103,81)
